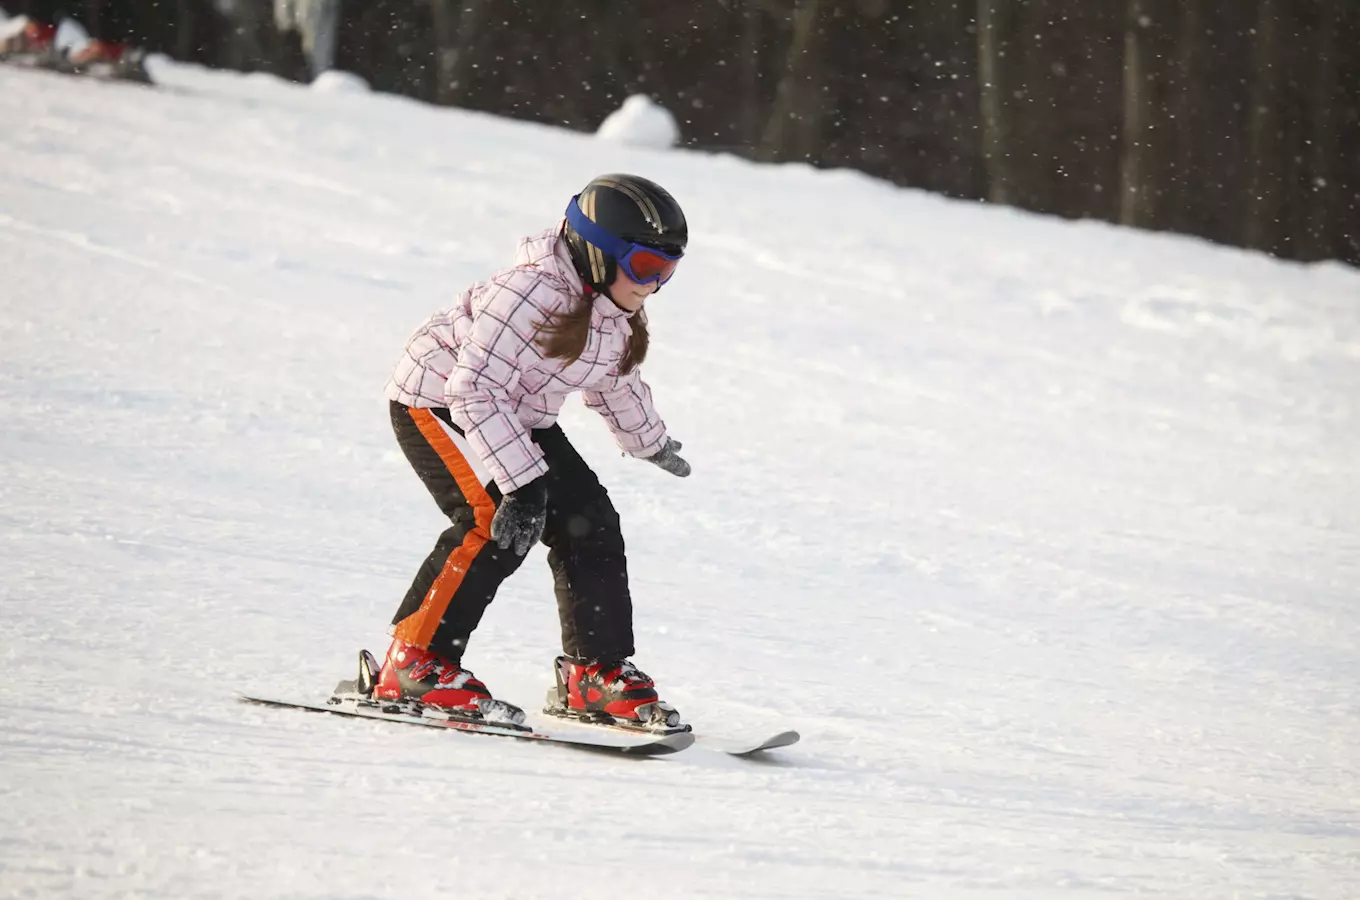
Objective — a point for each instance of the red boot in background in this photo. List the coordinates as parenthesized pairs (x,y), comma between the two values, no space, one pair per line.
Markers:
(96,52)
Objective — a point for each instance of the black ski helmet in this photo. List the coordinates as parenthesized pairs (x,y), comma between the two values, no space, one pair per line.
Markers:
(629,207)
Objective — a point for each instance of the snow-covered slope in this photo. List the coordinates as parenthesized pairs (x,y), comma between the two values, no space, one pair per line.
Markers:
(1045,535)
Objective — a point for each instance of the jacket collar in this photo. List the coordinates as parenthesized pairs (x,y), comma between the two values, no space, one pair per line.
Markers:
(606,307)
(548,251)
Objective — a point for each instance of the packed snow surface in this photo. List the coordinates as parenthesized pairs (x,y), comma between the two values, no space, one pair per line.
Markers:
(1045,535)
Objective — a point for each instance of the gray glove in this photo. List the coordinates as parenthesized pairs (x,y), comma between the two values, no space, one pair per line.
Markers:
(667,458)
(520,518)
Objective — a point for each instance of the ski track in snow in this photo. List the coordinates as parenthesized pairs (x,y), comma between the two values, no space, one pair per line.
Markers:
(1075,510)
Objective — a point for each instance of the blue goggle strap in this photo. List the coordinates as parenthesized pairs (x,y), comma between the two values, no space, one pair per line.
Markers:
(610,243)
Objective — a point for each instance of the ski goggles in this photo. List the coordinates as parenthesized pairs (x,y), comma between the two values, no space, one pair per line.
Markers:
(641,263)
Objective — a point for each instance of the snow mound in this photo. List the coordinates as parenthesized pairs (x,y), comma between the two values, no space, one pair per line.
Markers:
(641,122)
(334,81)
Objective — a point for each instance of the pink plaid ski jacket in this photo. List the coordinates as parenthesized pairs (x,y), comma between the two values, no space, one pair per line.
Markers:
(479,359)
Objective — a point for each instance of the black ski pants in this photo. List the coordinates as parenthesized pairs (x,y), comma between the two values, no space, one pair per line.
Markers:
(459,578)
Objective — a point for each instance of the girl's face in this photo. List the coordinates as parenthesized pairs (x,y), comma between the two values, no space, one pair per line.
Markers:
(627,294)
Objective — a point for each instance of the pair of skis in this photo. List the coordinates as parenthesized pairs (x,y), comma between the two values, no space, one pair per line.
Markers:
(130,68)
(354,699)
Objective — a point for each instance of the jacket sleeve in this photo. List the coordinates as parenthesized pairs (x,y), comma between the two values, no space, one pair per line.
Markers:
(627,408)
(498,347)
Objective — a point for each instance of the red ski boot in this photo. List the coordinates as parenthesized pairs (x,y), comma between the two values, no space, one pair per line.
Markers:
(410,673)
(613,693)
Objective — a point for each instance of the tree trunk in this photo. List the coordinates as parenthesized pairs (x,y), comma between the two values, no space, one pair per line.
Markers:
(1319,194)
(996,27)
(1148,139)
(794,122)
(1038,135)
(1131,206)
(457,27)
(1222,67)
(1191,100)
(1346,162)
(752,71)
(1264,133)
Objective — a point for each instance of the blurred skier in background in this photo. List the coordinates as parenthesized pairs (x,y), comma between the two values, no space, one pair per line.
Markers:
(110,52)
(474,401)
(317,23)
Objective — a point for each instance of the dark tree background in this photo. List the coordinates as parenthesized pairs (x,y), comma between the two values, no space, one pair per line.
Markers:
(1236,121)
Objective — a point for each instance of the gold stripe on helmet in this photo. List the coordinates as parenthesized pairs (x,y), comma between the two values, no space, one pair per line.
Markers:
(598,269)
(644,203)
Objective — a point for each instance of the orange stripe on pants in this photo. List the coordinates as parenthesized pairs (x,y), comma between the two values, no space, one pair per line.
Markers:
(419,627)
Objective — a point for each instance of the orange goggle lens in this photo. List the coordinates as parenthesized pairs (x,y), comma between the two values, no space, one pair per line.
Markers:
(645,265)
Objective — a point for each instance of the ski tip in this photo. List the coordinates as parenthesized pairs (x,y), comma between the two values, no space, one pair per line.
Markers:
(774,742)
(670,743)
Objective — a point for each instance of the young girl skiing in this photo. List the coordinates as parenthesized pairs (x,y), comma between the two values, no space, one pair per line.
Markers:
(474,401)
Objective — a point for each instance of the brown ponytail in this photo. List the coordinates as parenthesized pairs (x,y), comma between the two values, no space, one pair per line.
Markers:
(564,336)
